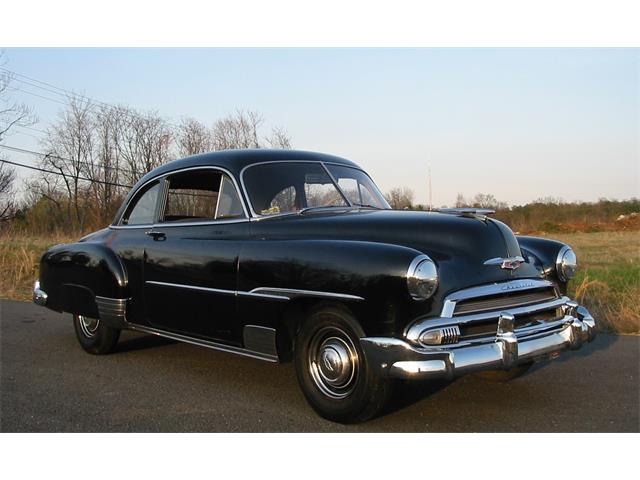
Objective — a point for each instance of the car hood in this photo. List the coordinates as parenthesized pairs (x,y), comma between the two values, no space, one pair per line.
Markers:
(460,245)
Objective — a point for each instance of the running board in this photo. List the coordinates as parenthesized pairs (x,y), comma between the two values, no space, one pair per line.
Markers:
(268,357)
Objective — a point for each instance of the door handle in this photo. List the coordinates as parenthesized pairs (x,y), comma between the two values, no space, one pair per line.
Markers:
(155,234)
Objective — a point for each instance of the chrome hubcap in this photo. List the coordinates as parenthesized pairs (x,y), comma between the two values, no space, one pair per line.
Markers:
(89,326)
(333,362)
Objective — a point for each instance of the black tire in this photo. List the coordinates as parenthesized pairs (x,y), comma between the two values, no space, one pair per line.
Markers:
(94,336)
(505,375)
(357,392)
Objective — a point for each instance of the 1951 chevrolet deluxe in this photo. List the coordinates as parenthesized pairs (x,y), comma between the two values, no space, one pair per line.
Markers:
(281,255)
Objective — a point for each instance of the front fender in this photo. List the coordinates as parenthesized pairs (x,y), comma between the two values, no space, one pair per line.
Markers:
(543,252)
(373,272)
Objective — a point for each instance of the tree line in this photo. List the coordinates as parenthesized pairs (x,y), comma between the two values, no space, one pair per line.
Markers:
(94,153)
(548,214)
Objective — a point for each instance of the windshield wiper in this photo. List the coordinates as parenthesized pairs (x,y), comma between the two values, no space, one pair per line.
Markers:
(322,207)
(367,205)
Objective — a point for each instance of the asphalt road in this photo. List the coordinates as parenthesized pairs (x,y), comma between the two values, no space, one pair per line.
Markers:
(48,384)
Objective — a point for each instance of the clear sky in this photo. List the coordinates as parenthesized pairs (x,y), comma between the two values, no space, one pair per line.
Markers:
(518,123)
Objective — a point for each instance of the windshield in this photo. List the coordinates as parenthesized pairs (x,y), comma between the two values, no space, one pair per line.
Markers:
(358,187)
(284,187)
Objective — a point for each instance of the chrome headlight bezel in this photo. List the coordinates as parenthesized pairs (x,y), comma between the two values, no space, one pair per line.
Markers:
(566,263)
(422,278)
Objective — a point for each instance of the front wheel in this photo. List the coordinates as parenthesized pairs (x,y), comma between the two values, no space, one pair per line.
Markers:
(333,372)
(94,336)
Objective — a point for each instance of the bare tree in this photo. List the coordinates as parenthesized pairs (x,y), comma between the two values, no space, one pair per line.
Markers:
(11,115)
(400,198)
(105,174)
(461,201)
(239,130)
(143,142)
(484,200)
(7,203)
(69,146)
(279,139)
(193,137)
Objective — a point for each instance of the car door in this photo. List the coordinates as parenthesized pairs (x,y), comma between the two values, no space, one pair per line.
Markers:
(129,240)
(191,262)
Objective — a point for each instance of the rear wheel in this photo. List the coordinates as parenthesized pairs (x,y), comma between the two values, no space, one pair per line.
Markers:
(332,371)
(506,375)
(94,336)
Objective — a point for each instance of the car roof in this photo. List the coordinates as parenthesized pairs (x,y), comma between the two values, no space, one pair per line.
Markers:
(236,160)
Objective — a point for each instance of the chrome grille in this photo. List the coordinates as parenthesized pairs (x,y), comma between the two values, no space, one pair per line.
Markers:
(450,334)
(504,301)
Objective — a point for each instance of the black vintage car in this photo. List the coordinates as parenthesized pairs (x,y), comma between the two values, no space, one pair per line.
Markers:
(281,255)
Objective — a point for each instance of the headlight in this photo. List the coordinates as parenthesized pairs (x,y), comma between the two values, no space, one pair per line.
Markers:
(422,278)
(566,264)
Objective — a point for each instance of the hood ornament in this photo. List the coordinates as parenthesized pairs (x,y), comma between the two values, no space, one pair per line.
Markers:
(510,263)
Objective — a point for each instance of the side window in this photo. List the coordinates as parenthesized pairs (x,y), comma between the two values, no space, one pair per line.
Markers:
(201,195)
(142,209)
(229,203)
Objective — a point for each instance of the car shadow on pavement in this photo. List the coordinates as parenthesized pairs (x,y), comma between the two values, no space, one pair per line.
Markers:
(142,342)
(406,393)
(601,342)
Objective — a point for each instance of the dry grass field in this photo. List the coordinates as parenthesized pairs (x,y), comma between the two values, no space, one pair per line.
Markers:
(608,282)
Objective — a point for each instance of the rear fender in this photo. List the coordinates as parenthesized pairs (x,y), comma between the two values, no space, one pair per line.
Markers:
(85,278)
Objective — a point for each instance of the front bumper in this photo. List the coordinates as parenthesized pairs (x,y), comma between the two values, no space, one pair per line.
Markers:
(397,358)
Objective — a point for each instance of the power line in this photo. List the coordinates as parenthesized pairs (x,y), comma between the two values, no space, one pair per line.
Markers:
(48,155)
(63,92)
(39,169)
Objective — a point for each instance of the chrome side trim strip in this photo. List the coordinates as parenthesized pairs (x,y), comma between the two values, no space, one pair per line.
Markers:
(270,293)
(192,287)
(204,343)
(293,293)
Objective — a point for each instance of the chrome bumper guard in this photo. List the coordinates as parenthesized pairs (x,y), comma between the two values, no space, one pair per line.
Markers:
(39,296)
(397,358)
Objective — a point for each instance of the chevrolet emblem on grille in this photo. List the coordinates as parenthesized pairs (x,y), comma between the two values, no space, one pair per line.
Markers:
(510,263)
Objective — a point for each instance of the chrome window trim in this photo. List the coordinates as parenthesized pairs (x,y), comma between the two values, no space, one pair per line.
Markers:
(158,179)
(257,216)
(387,207)
(335,182)
(163,177)
(271,293)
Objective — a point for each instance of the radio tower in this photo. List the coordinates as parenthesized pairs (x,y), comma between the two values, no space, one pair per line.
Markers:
(430,199)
